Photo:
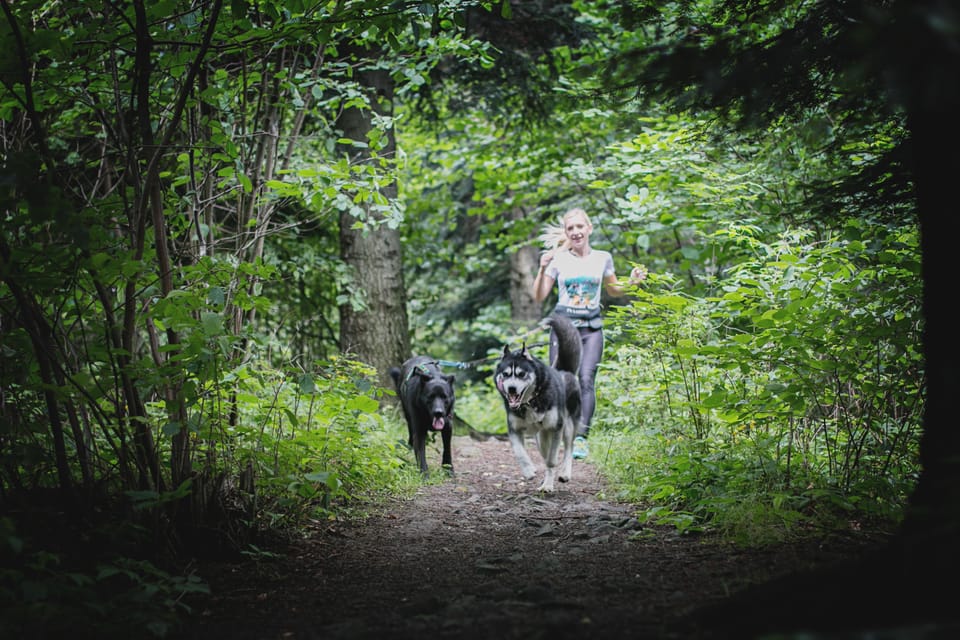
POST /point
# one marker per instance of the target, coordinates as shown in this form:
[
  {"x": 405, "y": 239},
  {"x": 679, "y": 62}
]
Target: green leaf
[
  {"x": 306, "y": 383},
  {"x": 216, "y": 295},
  {"x": 365, "y": 404},
  {"x": 212, "y": 323},
  {"x": 319, "y": 476}
]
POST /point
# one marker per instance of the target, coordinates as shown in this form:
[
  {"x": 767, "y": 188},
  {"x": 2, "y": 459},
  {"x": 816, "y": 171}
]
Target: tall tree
[{"x": 375, "y": 333}]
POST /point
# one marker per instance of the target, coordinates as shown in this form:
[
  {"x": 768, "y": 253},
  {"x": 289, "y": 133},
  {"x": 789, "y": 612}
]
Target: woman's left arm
[{"x": 613, "y": 286}]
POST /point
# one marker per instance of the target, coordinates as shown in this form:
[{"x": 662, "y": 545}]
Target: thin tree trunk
[{"x": 42, "y": 344}]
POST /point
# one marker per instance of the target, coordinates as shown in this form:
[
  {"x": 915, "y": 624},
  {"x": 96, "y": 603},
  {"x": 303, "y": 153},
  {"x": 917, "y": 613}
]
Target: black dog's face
[{"x": 437, "y": 394}]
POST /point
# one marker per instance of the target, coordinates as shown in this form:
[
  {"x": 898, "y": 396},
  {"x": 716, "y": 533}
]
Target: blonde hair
[{"x": 554, "y": 236}]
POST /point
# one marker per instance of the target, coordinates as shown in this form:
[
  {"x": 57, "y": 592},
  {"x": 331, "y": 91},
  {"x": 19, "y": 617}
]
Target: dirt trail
[{"x": 483, "y": 555}]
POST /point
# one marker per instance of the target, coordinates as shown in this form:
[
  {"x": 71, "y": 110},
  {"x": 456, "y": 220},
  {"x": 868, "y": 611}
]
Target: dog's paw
[
  {"x": 528, "y": 473},
  {"x": 546, "y": 488}
]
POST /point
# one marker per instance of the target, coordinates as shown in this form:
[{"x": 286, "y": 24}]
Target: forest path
[{"x": 484, "y": 555}]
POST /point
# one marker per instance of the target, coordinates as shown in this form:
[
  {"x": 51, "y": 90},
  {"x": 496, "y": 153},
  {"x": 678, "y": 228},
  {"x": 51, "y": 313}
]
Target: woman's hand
[
  {"x": 542, "y": 283},
  {"x": 638, "y": 274},
  {"x": 545, "y": 260}
]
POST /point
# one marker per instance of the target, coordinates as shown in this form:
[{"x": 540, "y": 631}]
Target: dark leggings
[{"x": 589, "y": 360}]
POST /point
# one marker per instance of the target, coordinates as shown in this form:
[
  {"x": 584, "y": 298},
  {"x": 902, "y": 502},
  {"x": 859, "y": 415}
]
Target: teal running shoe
[{"x": 580, "y": 449}]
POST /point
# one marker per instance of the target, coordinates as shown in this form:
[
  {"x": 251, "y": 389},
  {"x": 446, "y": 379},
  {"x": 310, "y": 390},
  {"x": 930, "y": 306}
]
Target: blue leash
[
  {"x": 456, "y": 365},
  {"x": 467, "y": 365}
]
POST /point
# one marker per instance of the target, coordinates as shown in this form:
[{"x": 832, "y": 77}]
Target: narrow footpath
[{"x": 483, "y": 555}]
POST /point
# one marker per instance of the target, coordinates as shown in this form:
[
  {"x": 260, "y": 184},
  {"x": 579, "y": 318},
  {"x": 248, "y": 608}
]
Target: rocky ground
[{"x": 483, "y": 555}]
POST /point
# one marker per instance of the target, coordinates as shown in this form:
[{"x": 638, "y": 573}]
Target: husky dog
[
  {"x": 543, "y": 401},
  {"x": 427, "y": 398}
]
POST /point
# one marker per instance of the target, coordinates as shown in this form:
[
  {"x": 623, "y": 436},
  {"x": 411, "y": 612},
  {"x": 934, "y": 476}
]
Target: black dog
[{"x": 427, "y": 397}]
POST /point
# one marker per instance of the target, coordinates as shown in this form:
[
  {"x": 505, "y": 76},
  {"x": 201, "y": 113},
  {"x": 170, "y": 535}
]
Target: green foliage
[
  {"x": 479, "y": 405},
  {"x": 314, "y": 438},
  {"x": 56, "y": 594},
  {"x": 783, "y": 399},
  {"x": 146, "y": 292}
]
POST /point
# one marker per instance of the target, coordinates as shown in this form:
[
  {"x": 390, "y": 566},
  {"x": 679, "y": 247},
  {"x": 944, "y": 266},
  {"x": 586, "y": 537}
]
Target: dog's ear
[
  {"x": 506, "y": 349},
  {"x": 451, "y": 379},
  {"x": 525, "y": 353}
]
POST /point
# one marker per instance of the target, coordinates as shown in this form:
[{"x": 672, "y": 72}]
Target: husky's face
[{"x": 516, "y": 378}]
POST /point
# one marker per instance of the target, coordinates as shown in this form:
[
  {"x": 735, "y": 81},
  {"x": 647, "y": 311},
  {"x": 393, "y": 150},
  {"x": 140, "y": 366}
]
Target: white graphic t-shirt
[{"x": 579, "y": 281}]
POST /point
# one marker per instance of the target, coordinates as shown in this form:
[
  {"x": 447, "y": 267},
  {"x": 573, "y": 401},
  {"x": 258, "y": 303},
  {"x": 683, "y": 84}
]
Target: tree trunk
[
  {"x": 376, "y": 334},
  {"x": 523, "y": 268},
  {"x": 524, "y": 310},
  {"x": 925, "y": 552},
  {"x": 932, "y": 526}
]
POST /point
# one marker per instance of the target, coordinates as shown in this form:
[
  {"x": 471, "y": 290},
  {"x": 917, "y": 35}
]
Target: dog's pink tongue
[{"x": 438, "y": 424}]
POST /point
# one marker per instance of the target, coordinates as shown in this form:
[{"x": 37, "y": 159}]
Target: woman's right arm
[{"x": 543, "y": 284}]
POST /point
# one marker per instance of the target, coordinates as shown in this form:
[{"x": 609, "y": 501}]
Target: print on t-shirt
[{"x": 581, "y": 290}]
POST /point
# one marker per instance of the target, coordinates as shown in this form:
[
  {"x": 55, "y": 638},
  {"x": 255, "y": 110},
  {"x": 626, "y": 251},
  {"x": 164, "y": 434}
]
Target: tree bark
[
  {"x": 932, "y": 524},
  {"x": 376, "y": 334},
  {"x": 524, "y": 310},
  {"x": 523, "y": 268}
]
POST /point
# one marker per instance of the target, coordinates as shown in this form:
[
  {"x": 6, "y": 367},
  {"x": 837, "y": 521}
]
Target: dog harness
[{"x": 421, "y": 368}]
